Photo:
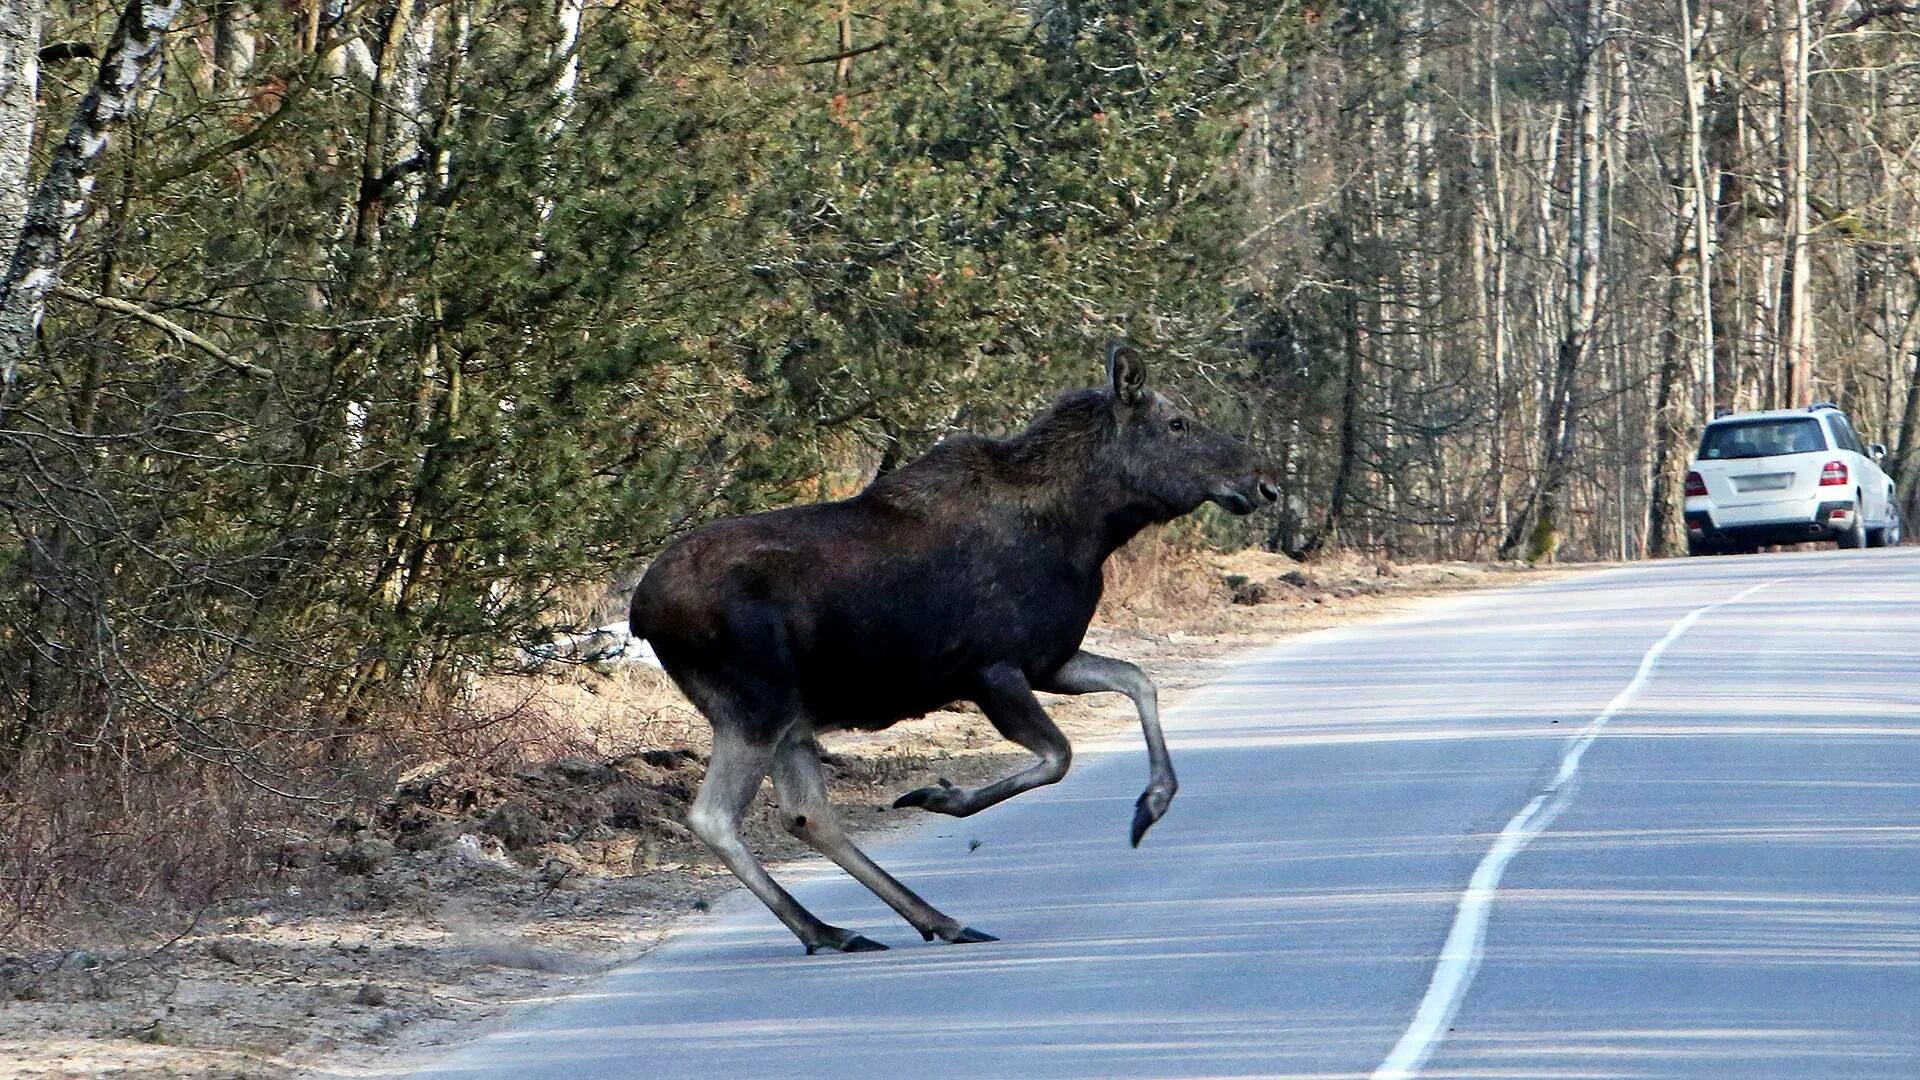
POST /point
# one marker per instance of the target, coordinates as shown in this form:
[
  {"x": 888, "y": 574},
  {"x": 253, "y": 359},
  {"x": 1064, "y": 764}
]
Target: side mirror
[{"x": 1877, "y": 451}]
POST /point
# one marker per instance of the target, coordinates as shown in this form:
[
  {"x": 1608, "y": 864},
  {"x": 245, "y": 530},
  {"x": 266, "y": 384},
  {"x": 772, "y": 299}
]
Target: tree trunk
[
  {"x": 1353, "y": 348},
  {"x": 393, "y": 121},
  {"x": 233, "y": 44},
  {"x": 132, "y": 58},
  {"x": 1498, "y": 239},
  {"x": 1727, "y": 186},
  {"x": 1906, "y": 455},
  {"x": 1535, "y": 531},
  {"x": 1667, "y": 426},
  {"x": 20, "y": 23},
  {"x": 1793, "y": 339},
  {"x": 1703, "y": 215},
  {"x": 1615, "y": 139}
]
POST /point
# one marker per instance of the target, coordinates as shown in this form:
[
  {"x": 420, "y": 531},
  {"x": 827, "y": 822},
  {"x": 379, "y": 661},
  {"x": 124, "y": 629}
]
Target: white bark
[
  {"x": 233, "y": 43},
  {"x": 568, "y": 13},
  {"x": 20, "y": 22},
  {"x": 410, "y": 119},
  {"x": 132, "y": 59},
  {"x": 1795, "y": 337},
  {"x": 567, "y": 50},
  {"x": 1703, "y": 208},
  {"x": 1536, "y": 529},
  {"x": 1494, "y": 238}
]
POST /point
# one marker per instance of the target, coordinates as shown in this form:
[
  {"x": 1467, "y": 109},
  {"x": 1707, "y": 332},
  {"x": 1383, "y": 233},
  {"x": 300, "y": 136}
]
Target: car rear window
[{"x": 1762, "y": 438}]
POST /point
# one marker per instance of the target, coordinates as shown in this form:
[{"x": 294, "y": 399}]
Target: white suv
[{"x": 1786, "y": 477}]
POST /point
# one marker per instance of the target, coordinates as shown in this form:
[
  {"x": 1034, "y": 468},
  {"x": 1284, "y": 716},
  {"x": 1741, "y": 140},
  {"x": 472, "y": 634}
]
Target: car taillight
[
  {"x": 1834, "y": 474},
  {"x": 1695, "y": 485}
]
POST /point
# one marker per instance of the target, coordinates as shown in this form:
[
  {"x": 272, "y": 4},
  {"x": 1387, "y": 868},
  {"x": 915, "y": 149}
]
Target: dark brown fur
[{"x": 971, "y": 573}]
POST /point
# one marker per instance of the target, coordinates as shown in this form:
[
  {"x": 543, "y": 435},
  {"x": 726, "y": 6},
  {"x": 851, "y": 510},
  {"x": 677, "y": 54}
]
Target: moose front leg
[
  {"x": 1091, "y": 673},
  {"x": 1007, "y": 699}
]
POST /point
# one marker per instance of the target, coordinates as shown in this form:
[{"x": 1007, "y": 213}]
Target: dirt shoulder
[{"x": 478, "y": 886}]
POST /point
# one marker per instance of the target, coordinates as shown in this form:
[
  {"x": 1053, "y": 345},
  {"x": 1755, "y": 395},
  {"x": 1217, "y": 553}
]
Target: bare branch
[
  {"x": 1882, "y": 11},
  {"x": 68, "y": 50},
  {"x": 165, "y": 325},
  {"x": 847, "y": 54}
]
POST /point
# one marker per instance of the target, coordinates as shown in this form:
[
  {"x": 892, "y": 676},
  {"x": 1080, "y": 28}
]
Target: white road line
[{"x": 1460, "y": 954}]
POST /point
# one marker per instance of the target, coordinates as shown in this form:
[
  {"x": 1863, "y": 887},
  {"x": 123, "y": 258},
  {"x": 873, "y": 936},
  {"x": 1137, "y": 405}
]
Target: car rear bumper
[{"x": 1827, "y": 520}]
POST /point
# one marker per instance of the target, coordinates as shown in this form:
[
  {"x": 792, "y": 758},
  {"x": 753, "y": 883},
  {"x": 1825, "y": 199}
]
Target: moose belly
[{"x": 872, "y": 667}]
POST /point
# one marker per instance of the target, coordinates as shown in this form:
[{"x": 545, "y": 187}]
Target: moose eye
[{"x": 1178, "y": 423}]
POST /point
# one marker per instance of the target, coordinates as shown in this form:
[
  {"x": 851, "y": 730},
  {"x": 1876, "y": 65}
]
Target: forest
[{"x": 347, "y": 346}]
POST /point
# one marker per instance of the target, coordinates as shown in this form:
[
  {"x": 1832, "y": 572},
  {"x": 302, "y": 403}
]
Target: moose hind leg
[
  {"x": 1007, "y": 699},
  {"x": 733, "y": 778},
  {"x": 806, "y": 813}
]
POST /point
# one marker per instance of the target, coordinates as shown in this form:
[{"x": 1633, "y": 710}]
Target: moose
[{"x": 969, "y": 574}]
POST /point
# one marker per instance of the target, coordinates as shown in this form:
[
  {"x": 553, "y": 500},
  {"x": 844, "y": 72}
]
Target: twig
[
  {"x": 564, "y": 874},
  {"x": 68, "y": 50},
  {"x": 163, "y": 324},
  {"x": 1881, "y": 12},
  {"x": 846, "y": 55}
]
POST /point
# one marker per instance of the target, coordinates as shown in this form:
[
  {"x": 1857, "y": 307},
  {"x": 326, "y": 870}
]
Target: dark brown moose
[{"x": 970, "y": 574}]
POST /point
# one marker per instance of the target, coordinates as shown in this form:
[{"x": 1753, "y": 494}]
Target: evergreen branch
[
  {"x": 238, "y": 143},
  {"x": 258, "y": 133}
]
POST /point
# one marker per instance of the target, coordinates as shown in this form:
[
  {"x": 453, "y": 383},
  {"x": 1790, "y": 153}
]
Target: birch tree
[
  {"x": 130, "y": 60},
  {"x": 20, "y": 22},
  {"x": 1793, "y": 336},
  {"x": 1536, "y": 529}
]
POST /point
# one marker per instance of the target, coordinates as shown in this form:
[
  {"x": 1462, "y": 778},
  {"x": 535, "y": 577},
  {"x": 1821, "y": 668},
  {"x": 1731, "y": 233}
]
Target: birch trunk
[
  {"x": 1535, "y": 531},
  {"x": 392, "y": 122},
  {"x": 1666, "y": 422},
  {"x": 233, "y": 44},
  {"x": 1793, "y": 337},
  {"x": 1497, "y": 239},
  {"x": 1906, "y": 455},
  {"x": 1614, "y": 152},
  {"x": 1703, "y": 216},
  {"x": 132, "y": 58},
  {"x": 20, "y": 23}
]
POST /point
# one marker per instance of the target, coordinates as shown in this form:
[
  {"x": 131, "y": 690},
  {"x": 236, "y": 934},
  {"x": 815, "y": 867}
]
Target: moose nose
[{"x": 1268, "y": 492}]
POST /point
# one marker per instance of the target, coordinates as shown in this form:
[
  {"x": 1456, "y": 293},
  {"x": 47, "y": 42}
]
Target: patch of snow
[{"x": 610, "y": 645}]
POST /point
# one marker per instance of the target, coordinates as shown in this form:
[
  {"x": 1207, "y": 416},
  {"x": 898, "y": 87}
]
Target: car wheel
[
  {"x": 1895, "y": 532},
  {"x": 1876, "y": 538},
  {"x": 1855, "y": 537}
]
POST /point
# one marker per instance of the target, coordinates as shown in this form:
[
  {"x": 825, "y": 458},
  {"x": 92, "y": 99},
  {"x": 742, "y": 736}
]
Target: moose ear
[{"x": 1127, "y": 374}]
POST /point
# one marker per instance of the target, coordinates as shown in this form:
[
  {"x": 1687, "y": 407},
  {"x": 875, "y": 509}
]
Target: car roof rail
[
  {"x": 1721, "y": 411},
  {"x": 1818, "y": 405}
]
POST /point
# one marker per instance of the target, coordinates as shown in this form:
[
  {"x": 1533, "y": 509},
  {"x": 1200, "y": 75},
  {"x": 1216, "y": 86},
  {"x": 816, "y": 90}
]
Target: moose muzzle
[{"x": 1245, "y": 495}]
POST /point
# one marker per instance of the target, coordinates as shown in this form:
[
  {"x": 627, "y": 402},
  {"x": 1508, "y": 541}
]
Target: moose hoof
[
  {"x": 938, "y": 799},
  {"x": 846, "y": 941},
  {"x": 960, "y": 935},
  {"x": 1147, "y": 811}
]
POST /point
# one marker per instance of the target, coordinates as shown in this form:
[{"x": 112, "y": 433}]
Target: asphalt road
[{"x": 1402, "y": 848}]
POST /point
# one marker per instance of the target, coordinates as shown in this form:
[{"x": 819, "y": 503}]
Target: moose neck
[
  {"x": 1061, "y": 476},
  {"x": 1065, "y": 461},
  {"x": 1118, "y": 517}
]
